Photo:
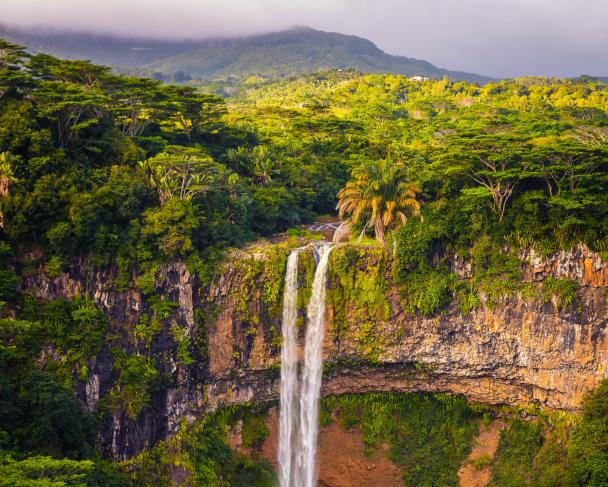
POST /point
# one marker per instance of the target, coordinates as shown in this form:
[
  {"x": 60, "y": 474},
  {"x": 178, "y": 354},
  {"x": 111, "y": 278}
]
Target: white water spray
[
  {"x": 298, "y": 420},
  {"x": 289, "y": 373},
  {"x": 312, "y": 375}
]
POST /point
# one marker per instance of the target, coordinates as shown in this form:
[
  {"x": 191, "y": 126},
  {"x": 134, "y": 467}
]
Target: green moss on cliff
[
  {"x": 429, "y": 291},
  {"x": 259, "y": 276},
  {"x": 273, "y": 273},
  {"x": 357, "y": 295},
  {"x": 306, "y": 274},
  {"x": 137, "y": 380},
  {"x": 563, "y": 290}
]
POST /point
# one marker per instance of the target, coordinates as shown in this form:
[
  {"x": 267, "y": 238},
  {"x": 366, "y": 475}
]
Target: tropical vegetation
[{"x": 130, "y": 174}]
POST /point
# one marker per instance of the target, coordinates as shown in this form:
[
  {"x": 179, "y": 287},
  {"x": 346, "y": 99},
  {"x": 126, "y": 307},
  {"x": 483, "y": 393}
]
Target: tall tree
[
  {"x": 180, "y": 172},
  {"x": 191, "y": 111},
  {"x": 13, "y": 72},
  {"x": 382, "y": 194},
  {"x": 495, "y": 162}
]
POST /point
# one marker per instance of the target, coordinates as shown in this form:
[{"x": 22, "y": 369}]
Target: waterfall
[
  {"x": 298, "y": 422},
  {"x": 312, "y": 375},
  {"x": 289, "y": 372}
]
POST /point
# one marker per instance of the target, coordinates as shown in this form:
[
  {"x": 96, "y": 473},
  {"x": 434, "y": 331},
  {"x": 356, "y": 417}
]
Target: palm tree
[{"x": 381, "y": 193}]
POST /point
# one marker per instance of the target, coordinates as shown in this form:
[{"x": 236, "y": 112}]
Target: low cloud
[{"x": 494, "y": 37}]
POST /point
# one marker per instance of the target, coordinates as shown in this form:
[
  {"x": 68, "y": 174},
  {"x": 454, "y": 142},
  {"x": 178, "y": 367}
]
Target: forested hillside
[
  {"x": 524, "y": 159},
  {"x": 270, "y": 56},
  {"x": 130, "y": 174}
]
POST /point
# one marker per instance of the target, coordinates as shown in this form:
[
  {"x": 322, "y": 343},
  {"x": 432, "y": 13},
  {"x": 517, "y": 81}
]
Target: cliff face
[{"x": 522, "y": 349}]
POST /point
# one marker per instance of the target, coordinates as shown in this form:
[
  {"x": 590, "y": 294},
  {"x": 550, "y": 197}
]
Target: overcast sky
[{"x": 493, "y": 37}]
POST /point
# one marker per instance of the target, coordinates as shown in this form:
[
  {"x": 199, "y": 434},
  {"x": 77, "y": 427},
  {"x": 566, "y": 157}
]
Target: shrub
[
  {"x": 518, "y": 446},
  {"x": 137, "y": 379},
  {"x": 45, "y": 471},
  {"x": 52, "y": 422},
  {"x": 564, "y": 290},
  {"x": 255, "y": 430},
  {"x": 587, "y": 452},
  {"x": 427, "y": 292}
]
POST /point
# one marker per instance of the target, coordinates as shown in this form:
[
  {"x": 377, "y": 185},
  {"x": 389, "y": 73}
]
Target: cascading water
[
  {"x": 312, "y": 375},
  {"x": 289, "y": 372},
  {"x": 298, "y": 419}
]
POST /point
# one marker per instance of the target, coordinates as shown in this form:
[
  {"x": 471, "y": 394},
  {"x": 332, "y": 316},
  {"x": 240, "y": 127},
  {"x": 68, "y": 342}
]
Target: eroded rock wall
[{"x": 522, "y": 350}]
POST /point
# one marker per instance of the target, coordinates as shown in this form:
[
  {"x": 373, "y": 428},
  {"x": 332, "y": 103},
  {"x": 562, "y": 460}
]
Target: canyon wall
[{"x": 522, "y": 349}]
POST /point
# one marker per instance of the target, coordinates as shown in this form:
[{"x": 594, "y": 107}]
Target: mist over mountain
[{"x": 272, "y": 55}]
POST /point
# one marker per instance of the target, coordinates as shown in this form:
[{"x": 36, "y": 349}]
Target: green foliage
[
  {"x": 8, "y": 278},
  {"x": 415, "y": 243},
  {"x": 468, "y": 299},
  {"x": 572, "y": 455},
  {"x": 264, "y": 272},
  {"x": 181, "y": 173},
  {"x": 54, "y": 267},
  {"x": 564, "y": 290},
  {"x": 529, "y": 455},
  {"x": 183, "y": 341},
  {"x": 206, "y": 266},
  {"x": 75, "y": 327},
  {"x": 44, "y": 471},
  {"x": 146, "y": 281},
  {"x": 137, "y": 379},
  {"x": 52, "y": 422},
  {"x": 430, "y": 435},
  {"x": 496, "y": 273},
  {"x": 272, "y": 286},
  {"x": 358, "y": 295},
  {"x": 254, "y": 430},
  {"x": 429, "y": 291},
  {"x": 482, "y": 462},
  {"x": 427, "y": 287},
  {"x": 170, "y": 227},
  {"x": 202, "y": 449},
  {"x": 550, "y": 465},
  {"x": 519, "y": 445},
  {"x": 587, "y": 450}
]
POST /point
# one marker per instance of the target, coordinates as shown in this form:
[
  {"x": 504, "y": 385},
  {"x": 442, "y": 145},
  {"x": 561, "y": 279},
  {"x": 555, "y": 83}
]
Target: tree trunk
[{"x": 379, "y": 231}]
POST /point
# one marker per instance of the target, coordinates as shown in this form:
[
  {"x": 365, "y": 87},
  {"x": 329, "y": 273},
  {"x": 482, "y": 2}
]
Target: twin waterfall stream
[{"x": 298, "y": 422}]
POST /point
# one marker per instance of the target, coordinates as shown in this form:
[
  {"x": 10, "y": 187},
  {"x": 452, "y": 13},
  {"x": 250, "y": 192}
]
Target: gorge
[
  {"x": 523, "y": 350},
  {"x": 172, "y": 312}
]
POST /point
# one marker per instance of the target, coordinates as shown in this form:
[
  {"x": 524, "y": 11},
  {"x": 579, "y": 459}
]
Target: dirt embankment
[
  {"x": 342, "y": 459},
  {"x": 477, "y": 469}
]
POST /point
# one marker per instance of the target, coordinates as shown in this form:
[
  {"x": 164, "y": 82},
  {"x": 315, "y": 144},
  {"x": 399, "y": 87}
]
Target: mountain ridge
[{"x": 273, "y": 55}]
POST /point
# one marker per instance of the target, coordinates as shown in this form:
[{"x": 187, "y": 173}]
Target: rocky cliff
[{"x": 525, "y": 348}]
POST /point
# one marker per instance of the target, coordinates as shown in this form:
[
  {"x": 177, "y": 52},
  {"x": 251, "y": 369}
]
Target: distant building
[{"x": 419, "y": 78}]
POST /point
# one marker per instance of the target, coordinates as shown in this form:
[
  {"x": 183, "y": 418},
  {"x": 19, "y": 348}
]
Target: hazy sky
[{"x": 492, "y": 37}]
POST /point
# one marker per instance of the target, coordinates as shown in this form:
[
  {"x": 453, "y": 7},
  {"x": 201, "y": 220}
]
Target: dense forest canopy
[
  {"x": 524, "y": 158},
  {"x": 111, "y": 166},
  {"x": 132, "y": 173}
]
